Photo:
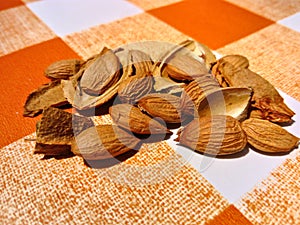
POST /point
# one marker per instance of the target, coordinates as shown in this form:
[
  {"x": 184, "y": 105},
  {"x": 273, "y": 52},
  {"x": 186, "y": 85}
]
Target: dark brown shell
[
  {"x": 50, "y": 94},
  {"x": 59, "y": 127}
]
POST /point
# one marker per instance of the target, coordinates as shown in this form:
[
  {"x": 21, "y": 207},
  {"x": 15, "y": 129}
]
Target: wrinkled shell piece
[
  {"x": 164, "y": 106},
  {"x": 269, "y": 137},
  {"x": 132, "y": 119},
  {"x": 102, "y": 142},
  {"x": 63, "y": 69},
  {"x": 58, "y": 127},
  {"x": 135, "y": 87},
  {"x": 227, "y": 101},
  {"x": 256, "y": 113},
  {"x": 184, "y": 68},
  {"x": 216, "y": 135},
  {"x": 101, "y": 74},
  {"x": 47, "y": 95},
  {"x": 154, "y": 49},
  {"x": 265, "y": 97},
  {"x": 236, "y": 61}
]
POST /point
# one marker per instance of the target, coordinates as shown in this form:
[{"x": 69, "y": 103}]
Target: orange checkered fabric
[{"x": 161, "y": 183}]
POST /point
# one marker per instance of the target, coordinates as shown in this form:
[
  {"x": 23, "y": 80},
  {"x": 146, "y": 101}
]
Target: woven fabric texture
[{"x": 157, "y": 184}]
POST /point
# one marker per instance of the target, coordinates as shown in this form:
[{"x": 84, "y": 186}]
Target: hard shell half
[{"x": 226, "y": 101}]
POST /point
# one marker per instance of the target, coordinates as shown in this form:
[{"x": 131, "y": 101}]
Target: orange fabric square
[
  {"x": 212, "y": 22},
  {"x": 151, "y": 4},
  {"x": 6, "y": 4},
  {"x": 230, "y": 216},
  {"x": 21, "y": 73}
]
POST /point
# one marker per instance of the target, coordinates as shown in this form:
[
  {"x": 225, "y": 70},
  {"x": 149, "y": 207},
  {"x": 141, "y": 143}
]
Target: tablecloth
[{"x": 156, "y": 185}]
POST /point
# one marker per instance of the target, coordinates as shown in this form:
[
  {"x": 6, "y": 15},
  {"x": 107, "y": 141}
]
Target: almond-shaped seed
[
  {"x": 195, "y": 92},
  {"x": 132, "y": 119},
  {"x": 164, "y": 106},
  {"x": 236, "y": 60},
  {"x": 103, "y": 73},
  {"x": 103, "y": 141},
  {"x": 135, "y": 87},
  {"x": 63, "y": 69},
  {"x": 81, "y": 100},
  {"x": 184, "y": 68},
  {"x": 269, "y": 137},
  {"x": 141, "y": 63},
  {"x": 216, "y": 135},
  {"x": 70, "y": 87}
]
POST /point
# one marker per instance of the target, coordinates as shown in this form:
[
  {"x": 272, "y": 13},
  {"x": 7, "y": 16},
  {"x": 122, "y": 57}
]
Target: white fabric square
[
  {"x": 292, "y": 22},
  {"x": 69, "y": 16},
  {"x": 233, "y": 176}
]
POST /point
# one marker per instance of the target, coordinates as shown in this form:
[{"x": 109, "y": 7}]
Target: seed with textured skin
[
  {"x": 103, "y": 141},
  {"x": 103, "y": 73},
  {"x": 133, "y": 88},
  {"x": 195, "y": 92},
  {"x": 63, "y": 69},
  {"x": 236, "y": 60},
  {"x": 141, "y": 63},
  {"x": 164, "y": 106},
  {"x": 269, "y": 137},
  {"x": 216, "y": 135},
  {"x": 185, "y": 67},
  {"x": 132, "y": 119}
]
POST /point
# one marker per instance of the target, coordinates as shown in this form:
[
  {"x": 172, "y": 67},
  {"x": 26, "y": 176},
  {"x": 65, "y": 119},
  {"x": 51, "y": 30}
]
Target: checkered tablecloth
[{"x": 157, "y": 185}]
